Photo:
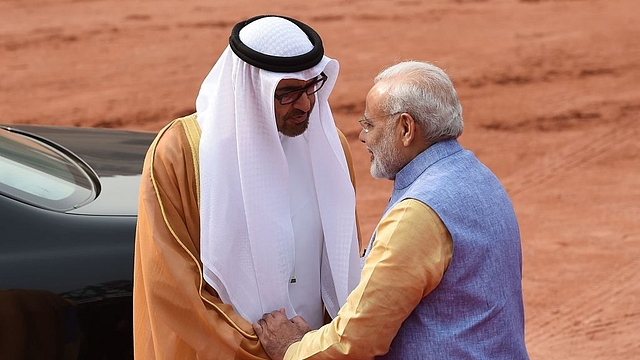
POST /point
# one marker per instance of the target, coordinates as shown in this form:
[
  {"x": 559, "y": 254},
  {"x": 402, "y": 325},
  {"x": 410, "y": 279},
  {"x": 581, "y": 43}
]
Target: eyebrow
[{"x": 293, "y": 87}]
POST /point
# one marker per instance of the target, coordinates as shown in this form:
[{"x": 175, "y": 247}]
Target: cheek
[
  {"x": 277, "y": 108},
  {"x": 371, "y": 140},
  {"x": 279, "y": 111}
]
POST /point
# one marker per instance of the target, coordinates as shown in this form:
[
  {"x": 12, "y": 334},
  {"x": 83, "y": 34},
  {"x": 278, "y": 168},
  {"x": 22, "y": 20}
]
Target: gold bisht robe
[{"x": 177, "y": 315}]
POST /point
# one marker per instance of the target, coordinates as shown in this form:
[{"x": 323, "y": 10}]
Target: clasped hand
[{"x": 276, "y": 332}]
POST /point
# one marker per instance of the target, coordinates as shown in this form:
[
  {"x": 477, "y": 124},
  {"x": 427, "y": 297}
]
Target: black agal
[{"x": 277, "y": 63}]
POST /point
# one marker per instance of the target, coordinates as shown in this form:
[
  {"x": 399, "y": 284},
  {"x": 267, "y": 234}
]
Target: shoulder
[
  {"x": 176, "y": 143},
  {"x": 343, "y": 139},
  {"x": 182, "y": 133},
  {"x": 176, "y": 130},
  {"x": 345, "y": 144},
  {"x": 411, "y": 209}
]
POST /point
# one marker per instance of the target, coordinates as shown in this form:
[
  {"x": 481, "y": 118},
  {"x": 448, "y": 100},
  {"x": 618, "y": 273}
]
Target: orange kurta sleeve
[{"x": 176, "y": 314}]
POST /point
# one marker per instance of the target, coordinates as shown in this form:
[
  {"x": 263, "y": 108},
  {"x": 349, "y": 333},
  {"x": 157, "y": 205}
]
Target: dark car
[{"x": 68, "y": 204}]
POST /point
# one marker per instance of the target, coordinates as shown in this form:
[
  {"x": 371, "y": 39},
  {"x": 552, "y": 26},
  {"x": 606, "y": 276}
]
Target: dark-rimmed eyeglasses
[
  {"x": 290, "y": 97},
  {"x": 366, "y": 124}
]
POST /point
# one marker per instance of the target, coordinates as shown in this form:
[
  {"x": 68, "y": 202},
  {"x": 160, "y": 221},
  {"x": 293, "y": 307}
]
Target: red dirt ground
[{"x": 549, "y": 88}]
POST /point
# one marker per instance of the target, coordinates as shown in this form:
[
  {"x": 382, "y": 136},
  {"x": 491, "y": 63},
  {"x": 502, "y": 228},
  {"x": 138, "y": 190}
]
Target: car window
[{"x": 39, "y": 174}]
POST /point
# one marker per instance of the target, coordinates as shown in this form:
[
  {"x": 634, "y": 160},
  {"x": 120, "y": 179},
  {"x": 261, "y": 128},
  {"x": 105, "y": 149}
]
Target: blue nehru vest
[{"x": 476, "y": 312}]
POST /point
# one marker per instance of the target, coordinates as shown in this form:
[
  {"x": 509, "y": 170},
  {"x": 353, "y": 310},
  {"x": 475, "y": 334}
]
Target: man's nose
[
  {"x": 361, "y": 136},
  {"x": 304, "y": 102}
]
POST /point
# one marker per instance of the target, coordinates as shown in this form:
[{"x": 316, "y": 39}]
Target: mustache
[{"x": 295, "y": 113}]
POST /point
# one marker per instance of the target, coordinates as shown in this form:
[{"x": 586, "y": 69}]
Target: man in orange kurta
[{"x": 188, "y": 299}]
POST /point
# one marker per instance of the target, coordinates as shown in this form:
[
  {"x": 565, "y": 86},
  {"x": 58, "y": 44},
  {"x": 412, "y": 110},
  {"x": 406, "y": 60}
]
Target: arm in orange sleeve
[{"x": 411, "y": 251}]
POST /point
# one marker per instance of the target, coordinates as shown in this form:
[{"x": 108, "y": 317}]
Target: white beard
[{"x": 386, "y": 160}]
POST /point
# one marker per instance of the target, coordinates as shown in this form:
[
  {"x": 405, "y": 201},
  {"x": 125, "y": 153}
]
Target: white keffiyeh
[{"x": 247, "y": 234}]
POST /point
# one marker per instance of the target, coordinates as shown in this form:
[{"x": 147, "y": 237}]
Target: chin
[
  {"x": 297, "y": 130},
  {"x": 380, "y": 172}
]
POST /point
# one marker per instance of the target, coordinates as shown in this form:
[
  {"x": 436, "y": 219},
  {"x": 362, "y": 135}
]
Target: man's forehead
[{"x": 376, "y": 94}]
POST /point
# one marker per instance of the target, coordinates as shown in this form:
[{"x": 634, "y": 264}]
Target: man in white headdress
[{"x": 248, "y": 205}]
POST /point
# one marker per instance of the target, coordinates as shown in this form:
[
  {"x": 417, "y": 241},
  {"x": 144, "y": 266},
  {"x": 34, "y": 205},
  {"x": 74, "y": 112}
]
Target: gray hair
[{"x": 425, "y": 92}]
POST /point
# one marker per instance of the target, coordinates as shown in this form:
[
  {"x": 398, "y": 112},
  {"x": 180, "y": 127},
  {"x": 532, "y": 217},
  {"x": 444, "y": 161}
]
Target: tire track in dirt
[
  {"x": 595, "y": 323},
  {"x": 594, "y": 316},
  {"x": 577, "y": 153}
]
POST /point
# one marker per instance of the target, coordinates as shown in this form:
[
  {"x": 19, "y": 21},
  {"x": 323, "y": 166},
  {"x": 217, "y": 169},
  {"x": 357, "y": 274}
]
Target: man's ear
[{"x": 408, "y": 129}]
